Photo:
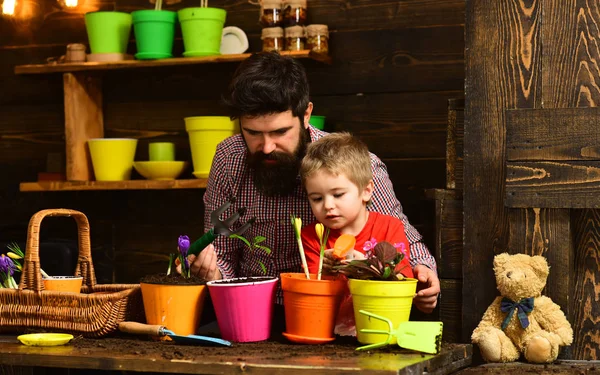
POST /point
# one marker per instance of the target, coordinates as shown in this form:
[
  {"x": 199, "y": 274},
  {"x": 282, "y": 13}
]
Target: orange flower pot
[
  {"x": 177, "y": 307},
  {"x": 70, "y": 284},
  {"x": 311, "y": 306}
]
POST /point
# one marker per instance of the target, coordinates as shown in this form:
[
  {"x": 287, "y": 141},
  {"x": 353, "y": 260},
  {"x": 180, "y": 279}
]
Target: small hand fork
[
  {"x": 221, "y": 227},
  {"x": 421, "y": 336}
]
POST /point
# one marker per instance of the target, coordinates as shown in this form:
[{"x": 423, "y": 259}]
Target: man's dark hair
[{"x": 267, "y": 83}]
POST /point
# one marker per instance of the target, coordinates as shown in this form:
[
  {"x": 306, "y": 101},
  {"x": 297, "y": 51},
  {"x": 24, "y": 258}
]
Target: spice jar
[
  {"x": 294, "y": 12},
  {"x": 271, "y": 13},
  {"x": 272, "y": 38},
  {"x": 294, "y": 38},
  {"x": 317, "y": 38}
]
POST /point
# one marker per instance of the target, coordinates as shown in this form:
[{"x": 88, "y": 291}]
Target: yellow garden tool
[{"x": 420, "y": 336}]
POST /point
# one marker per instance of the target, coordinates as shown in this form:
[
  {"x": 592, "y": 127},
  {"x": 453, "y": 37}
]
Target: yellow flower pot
[
  {"x": 390, "y": 299},
  {"x": 205, "y": 133}
]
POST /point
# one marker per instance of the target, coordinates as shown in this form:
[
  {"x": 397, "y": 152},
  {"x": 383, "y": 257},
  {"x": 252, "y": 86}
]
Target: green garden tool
[
  {"x": 221, "y": 227},
  {"x": 420, "y": 336}
]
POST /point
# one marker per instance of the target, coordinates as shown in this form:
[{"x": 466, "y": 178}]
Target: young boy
[{"x": 336, "y": 173}]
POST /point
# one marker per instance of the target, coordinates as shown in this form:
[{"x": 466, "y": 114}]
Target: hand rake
[
  {"x": 420, "y": 336},
  {"x": 221, "y": 227}
]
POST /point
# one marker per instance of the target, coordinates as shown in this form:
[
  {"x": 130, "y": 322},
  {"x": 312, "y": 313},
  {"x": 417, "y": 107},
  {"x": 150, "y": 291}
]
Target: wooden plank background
[
  {"x": 518, "y": 59},
  {"x": 395, "y": 65}
]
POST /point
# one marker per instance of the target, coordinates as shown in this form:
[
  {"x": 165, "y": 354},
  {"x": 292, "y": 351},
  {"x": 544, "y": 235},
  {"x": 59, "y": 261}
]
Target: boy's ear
[{"x": 368, "y": 191}]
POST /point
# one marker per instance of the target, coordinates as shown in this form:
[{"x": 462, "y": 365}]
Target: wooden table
[{"x": 264, "y": 358}]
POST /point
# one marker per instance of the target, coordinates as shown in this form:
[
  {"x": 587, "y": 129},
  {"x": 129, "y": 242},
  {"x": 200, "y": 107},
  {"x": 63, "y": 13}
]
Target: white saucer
[{"x": 234, "y": 41}]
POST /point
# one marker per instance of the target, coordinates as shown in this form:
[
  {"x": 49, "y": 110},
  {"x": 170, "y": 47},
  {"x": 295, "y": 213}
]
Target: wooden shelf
[
  {"x": 84, "y": 117},
  {"x": 132, "y": 64},
  {"x": 112, "y": 185}
]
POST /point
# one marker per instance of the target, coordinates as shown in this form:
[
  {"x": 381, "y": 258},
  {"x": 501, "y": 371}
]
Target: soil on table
[{"x": 278, "y": 349}]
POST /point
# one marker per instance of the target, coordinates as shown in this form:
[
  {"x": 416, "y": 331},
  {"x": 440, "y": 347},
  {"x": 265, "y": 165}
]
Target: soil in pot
[
  {"x": 241, "y": 280},
  {"x": 172, "y": 279}
]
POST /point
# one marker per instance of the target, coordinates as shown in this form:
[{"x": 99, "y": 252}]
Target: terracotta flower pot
[
  {"x": 311, "y": 307},
  {"x": 71, "y": 284},
  {"x": 390, "y": 299},
  {"x": 177, "y": 307}
]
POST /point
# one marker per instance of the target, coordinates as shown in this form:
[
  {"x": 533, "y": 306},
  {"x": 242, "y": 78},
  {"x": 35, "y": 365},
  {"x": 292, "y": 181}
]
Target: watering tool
[
  {"x": 420, "y": 336},
  {"x": 343, "y": 245},
  {"x": 221, "y": 227},
  {"x": 158, "y": 330}
]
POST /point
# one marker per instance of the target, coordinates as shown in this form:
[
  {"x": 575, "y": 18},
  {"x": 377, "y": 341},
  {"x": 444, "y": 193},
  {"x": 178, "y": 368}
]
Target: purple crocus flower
[
  {"x": 183, "y": 246},
  {"x": 7, "y": 266}
]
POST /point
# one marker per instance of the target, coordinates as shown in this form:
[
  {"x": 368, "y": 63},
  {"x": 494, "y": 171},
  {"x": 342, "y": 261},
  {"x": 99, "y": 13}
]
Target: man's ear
[
  {"x": 307, "y": 114},
  {"x": 368, "y": 191}
]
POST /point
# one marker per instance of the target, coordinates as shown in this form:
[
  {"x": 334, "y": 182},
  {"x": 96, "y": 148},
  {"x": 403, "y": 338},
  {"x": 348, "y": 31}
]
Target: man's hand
[
  {"x": 205, "y": 264},
  {"x": 428, "y": 288}
]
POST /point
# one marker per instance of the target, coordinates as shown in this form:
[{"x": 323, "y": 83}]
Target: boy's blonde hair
[{"x": 338, "y": 153}]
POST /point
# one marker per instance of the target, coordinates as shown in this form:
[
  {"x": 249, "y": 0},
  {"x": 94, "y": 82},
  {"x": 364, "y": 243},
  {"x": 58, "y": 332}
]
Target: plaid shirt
[{"x": 230, "y": 176}]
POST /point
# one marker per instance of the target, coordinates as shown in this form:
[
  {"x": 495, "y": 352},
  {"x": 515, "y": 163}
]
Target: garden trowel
[
  {"x": 420, "y": 336},
  {"x": 158, "y": 330}
]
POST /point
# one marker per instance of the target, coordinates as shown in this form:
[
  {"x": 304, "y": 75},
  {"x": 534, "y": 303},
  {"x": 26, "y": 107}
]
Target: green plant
[
  {"x": 323, "y": 234},
  {"x": 379, "y": 264},
  {"x": 297, "y": 224},
  {"x": 16, "y": 254},
  {"x": 254, "y": 246}
]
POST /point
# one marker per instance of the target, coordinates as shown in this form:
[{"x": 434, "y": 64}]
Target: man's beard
[{"x": 278, "y": 178}]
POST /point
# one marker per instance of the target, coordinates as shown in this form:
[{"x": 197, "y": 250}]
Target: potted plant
[
  {"x": 311, "y": 301},
  {"x": 11, "y": 262},
  {"x": 154, "y": 32},
  {"x": 377, "y": 288},
  {"x": 108, "y": 32},
  {"x": 202, "y": 29},
  {"x": 175, "y": 300},
  {"x": 244, "y": 305}
]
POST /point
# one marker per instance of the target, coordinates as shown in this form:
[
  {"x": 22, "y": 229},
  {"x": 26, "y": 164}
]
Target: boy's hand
[
  {"x": 329, "y": 261},
  {"x": 428, "y": 288}
]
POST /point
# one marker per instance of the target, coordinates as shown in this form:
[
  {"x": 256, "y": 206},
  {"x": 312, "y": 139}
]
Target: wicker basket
[{"x": 95, "y": 312}]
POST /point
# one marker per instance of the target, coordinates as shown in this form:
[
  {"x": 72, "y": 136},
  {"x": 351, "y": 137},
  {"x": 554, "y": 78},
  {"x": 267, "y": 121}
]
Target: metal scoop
[
  {"x": 221, "y": 227},
  {"x": 158, "y": 330}
]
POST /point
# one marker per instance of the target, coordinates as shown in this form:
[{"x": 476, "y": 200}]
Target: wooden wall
[
  {"x": 540, "y": 56},
  {"x": 396, "y": 63}
]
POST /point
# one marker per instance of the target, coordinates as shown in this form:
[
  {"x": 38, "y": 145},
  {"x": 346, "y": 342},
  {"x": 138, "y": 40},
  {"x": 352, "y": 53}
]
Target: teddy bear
[{"x": 521, "y": 320}]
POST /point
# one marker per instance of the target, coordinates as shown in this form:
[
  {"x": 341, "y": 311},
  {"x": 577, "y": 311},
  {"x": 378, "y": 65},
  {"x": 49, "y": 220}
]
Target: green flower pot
[
  {"x": 202, "y": 30},
  {"x": 154, "y": 33},
  {"x": 108, "y": 32},
  {"x": 317, "y": 121}
]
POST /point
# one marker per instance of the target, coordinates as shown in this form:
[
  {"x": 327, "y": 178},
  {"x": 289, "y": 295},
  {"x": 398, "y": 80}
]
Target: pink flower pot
[{"x": 244, "y": 310}]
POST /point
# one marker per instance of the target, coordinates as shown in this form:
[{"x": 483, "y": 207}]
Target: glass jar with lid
[
  {"x": 294, "y": 38},
  {"x": 271, "y": 14},
  {"x": 294, "y": 12},
  {"x": 317, "y": 38},
  {"x": 272, "y": 39}
]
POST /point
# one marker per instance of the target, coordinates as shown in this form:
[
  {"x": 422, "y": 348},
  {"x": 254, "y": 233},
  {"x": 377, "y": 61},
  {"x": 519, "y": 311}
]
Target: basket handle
[{"x": 31, "y": 277}]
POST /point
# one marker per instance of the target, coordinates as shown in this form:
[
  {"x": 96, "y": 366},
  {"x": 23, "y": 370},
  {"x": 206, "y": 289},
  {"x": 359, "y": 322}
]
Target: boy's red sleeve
[{"x": 311, "y": 248}]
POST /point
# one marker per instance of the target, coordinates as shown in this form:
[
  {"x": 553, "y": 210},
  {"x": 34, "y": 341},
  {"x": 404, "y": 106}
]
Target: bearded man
[{"x": 269, "y": 96}]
